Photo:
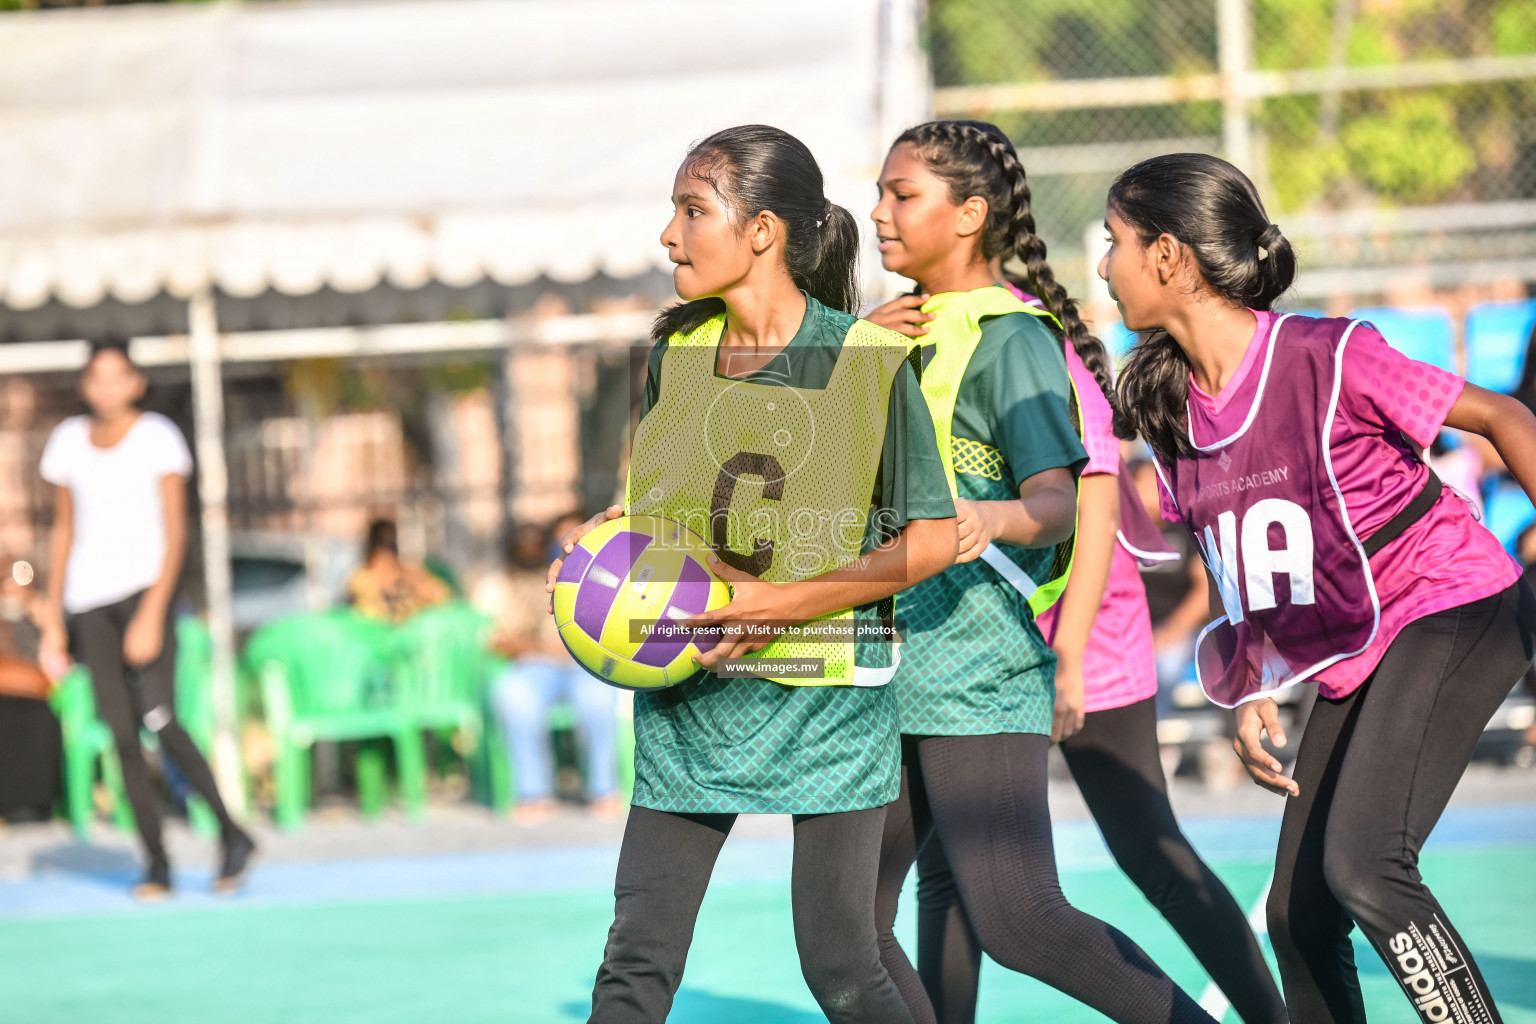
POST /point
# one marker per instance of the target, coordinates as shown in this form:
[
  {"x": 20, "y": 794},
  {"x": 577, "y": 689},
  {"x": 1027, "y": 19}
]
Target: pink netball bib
[{"x": 1266, "y": 512}]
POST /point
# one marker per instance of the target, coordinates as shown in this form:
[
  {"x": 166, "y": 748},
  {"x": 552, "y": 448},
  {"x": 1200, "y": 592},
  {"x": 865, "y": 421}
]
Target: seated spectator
[
  {"x": 542, "y": 674},
  {"x": 1177, "y": 596},
  {"x": 385, "y": 587},
  {"x": 31, "y": 748}
]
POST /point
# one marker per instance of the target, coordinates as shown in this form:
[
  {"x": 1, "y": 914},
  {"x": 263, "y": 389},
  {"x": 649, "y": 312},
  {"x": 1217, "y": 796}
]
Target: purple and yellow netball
[{"x": 622, "y": 593}]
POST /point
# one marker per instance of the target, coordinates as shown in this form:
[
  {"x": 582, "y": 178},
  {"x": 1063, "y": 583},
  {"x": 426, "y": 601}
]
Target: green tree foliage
[
  {"x": 1451, "y": 143},
  {"x": 1397, "y": 146}
]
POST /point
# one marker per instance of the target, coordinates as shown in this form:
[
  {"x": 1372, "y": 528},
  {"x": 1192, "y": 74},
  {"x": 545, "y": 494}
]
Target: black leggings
[
  {"x": 1114, "y": 761},
  {"x": 127, "y": 699},
  {"x": 984, "y": 799},
  {"x": 1375, "y": 770},
  {"x": 664, "y": 868}
]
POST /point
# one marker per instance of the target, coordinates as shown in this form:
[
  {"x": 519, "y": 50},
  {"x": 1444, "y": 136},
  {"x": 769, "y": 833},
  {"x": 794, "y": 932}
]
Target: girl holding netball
[
  {"x": 1291, "y": 448},
  {"x": 794, "y": 436},
  {"x": 974, "y": 688},
  {"x": 119, "y": 529}
]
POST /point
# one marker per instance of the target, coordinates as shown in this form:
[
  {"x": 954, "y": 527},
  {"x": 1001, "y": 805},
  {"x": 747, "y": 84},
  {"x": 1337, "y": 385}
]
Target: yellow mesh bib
[
  {"x": 779, "y": 479},
  {"x": 955, "y": 333}
]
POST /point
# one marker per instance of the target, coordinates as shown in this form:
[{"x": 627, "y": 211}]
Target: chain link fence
[{"x": 1392, "y": 139}]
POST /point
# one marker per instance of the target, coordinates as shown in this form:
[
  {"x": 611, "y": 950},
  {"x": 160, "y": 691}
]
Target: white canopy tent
[
  {"x": 288, "y": 147},
  {"x": 246, "y": 149}
]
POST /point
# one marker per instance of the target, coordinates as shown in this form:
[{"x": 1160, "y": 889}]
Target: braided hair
[
  {"x": 756, "y": 167},
  {"x": 976, "y": 159}
]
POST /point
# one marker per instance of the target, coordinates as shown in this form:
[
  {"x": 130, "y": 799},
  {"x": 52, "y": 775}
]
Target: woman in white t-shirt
[{"x": 119, "y": 530}]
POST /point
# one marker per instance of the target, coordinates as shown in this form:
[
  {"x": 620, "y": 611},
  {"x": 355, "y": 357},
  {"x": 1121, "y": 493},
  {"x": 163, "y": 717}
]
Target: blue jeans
[{"x": 524, "y": 694}]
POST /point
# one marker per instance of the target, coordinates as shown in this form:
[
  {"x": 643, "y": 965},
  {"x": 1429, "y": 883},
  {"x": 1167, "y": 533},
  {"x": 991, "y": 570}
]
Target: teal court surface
[{"x": 514, "y": 935}]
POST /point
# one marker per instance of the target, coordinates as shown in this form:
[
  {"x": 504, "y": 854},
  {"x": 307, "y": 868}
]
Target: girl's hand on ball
[
  {"x": 568, "y": 544},
  {"x": 753, "y": 602}
]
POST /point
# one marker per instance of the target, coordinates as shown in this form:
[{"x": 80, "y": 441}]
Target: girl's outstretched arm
[
  {"x": 1507, "y": 424},
  {"x": 145, "y": 636}
]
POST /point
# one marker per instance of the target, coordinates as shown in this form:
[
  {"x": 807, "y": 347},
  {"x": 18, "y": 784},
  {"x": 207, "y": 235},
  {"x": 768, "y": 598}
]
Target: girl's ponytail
[
  {"x": 829, "y": 273},
  {"x": 976, "y": 159},
  {"x": 1274, "y": 267}
]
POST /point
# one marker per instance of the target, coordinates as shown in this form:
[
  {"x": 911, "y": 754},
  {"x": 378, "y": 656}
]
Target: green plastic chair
[
  {"x": 491, "y": 767},
  {"x": 440, "y": 667},
  {"x": 194, "y": 705},
  {"x": 626, "y": 764},
  {"x": 87, "y": 741},
  {"x": 440, "y": 675},
  {"x": 326, "y": 677}
]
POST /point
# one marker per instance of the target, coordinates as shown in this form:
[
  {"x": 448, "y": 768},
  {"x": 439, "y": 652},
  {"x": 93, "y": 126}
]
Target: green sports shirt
[
  {"x": 974, "y": 661},
  {"x": 713, "y": 745}
]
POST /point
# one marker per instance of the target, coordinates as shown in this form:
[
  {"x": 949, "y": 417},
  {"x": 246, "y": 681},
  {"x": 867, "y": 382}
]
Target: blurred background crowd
[{"x": 390, "y": 282}]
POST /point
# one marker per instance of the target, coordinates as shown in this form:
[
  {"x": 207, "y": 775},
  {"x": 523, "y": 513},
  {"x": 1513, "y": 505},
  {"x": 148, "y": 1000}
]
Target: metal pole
[
  {"x": 903, "y": 98},
  {"x": 213, "y": 491},
  {"x": 1234, "y": 42},
  {"x": 511, "y": 439}
]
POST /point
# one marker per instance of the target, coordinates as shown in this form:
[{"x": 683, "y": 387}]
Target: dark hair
[
  {"x": 109, "y": 343},
  {"x": 1211, "y": 207},
  {"x": 753, "y": 168},
  {"x": 527, "y": 544},
  {"x": 382, "y": 536},
  {"x": 976, "y": 159}
]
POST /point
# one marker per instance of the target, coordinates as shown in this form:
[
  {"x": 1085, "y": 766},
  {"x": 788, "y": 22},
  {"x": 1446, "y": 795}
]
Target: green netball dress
[
  {"x": 839, "y": 417},
  {"x": 974, "y": 662}
]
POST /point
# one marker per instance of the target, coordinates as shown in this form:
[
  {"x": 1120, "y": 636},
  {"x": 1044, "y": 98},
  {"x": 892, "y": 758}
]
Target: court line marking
[{"x": 1213, "y": 1001}]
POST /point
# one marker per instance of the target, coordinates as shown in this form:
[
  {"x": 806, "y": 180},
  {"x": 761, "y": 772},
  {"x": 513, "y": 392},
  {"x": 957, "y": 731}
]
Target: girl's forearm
[
  {"x": 923, "y": 548},
  {"x": 1512, "y": 432},
  {"x": 1045, "y": 513},
  {"x": 159, "y": 594},
  {"x": 173, "y": 495},
  {"x": 60, "y": 539},
  {"x": 1098, "y": 520},
  {"x": 1039, "y": 521}
]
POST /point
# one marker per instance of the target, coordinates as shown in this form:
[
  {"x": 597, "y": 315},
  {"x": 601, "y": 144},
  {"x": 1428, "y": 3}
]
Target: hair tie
[{"x": 1272, "y": 231}]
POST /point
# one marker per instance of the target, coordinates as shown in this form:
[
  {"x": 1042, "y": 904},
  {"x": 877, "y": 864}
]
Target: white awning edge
[{"x": 300, "y": 257}]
